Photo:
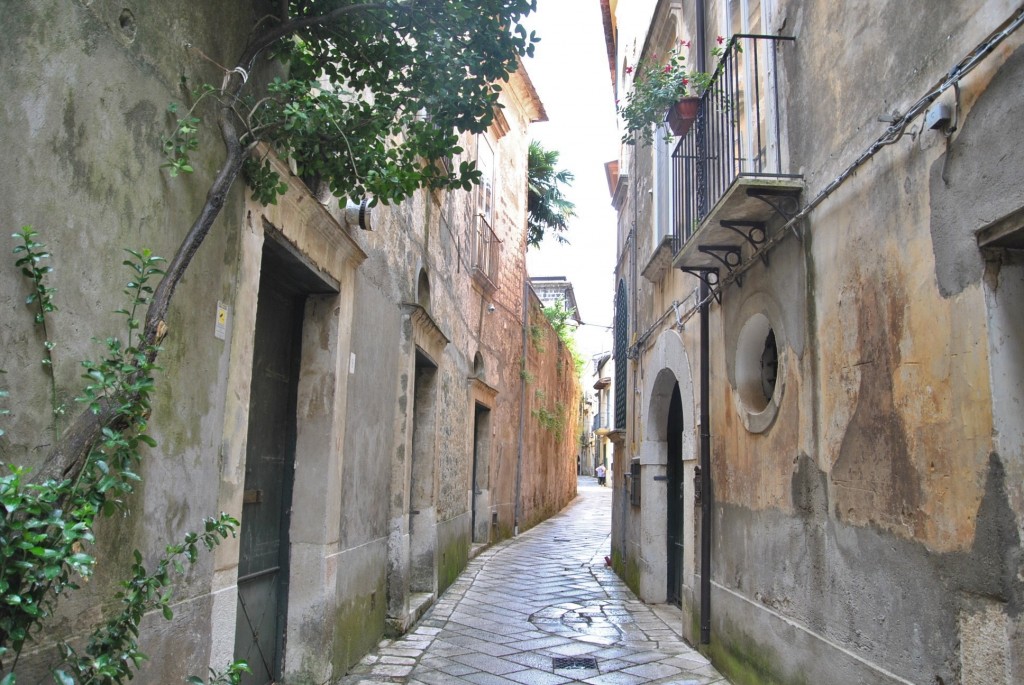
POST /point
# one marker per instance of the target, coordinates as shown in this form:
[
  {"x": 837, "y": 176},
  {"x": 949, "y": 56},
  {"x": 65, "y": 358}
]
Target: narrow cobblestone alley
[{"x": 543, "y": 609}]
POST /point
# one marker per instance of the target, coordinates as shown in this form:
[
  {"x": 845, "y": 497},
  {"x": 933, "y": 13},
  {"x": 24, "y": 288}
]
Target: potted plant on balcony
[{"x": 662, "y": 91}]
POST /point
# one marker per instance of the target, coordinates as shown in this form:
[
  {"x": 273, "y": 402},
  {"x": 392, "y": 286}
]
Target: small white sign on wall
[{"x": 220, "y": 328}]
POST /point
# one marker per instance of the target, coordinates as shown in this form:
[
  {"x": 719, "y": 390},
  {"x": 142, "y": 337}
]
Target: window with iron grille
[
  {"x": 486, "y": 246},
  {"x": 621, "y": 319}
]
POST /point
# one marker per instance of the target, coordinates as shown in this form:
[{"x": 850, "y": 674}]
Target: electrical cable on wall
[{"x": 891, "y": 135}]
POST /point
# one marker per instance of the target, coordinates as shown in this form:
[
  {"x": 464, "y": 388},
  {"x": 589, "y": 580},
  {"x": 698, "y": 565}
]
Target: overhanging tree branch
[{"x": 439, "y": 66}]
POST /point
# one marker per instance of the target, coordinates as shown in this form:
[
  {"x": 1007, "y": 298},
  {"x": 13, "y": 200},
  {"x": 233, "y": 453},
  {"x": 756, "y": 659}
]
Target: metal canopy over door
[
  {"x": 674, "y": 440},
  {"x": 269, "y": 468}
]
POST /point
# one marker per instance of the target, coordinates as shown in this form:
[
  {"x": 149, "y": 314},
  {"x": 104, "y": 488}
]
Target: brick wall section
[{"x": 552, "y": 415}]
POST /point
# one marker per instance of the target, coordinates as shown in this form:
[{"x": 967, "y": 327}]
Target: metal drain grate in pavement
[{"x": 574, "y": 662}]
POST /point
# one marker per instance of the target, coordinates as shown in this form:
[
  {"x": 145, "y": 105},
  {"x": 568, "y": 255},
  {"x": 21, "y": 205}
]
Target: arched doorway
[{"x": 667, "y": 455}]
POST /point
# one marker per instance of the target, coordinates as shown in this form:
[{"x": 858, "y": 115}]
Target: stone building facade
[
  {"x": 357, "y": 398},
  {"x": 552, "y": 289},
  {"x": 834, "y": 246}
]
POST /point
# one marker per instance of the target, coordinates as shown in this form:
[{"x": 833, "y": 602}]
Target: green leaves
[
  {"x": 376, "y": 98},
  {"x": 266, "y": 184},
  {"x": 559, "y": 317},
  {"x": 112, "y": 653},
  {"x": 179, "y": 144},
  {"x": 184, "y": 139},
  {"x": 32, "y": 267},
  {"x": 547, "y": 209},
  {"x": 232, "y": 675},
  {"x": 124, "y": 375},
  {"x": 40, "y": 551},
  {"x": 46, "y": 528}
]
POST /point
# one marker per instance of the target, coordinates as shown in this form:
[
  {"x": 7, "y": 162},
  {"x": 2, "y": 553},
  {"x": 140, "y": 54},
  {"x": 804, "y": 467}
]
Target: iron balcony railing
[
  {"x": 602, "y": 420},
  {"x": 486, "y": 253},
  {"x": 737, "y": 131}
]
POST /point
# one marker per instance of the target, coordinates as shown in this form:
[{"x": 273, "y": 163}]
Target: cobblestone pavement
[{"x": 543, "y": 609}]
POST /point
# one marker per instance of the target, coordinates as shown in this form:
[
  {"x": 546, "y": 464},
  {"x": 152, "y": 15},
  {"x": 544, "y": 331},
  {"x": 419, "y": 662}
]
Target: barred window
[{"x": 485, "y": 244}]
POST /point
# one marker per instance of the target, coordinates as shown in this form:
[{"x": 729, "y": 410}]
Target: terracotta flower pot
[{"x": 682, "y": 114}]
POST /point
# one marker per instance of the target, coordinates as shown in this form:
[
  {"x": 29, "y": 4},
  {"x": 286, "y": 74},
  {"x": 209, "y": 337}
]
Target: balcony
[
  {"x": 486, "y": 256},
  {"x": 728, "y": 176},
  {"x": 602, "y": 423}
]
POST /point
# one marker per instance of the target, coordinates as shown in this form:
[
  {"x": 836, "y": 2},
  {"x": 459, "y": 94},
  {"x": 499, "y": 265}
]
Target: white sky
[{"x": 570, "y": 72}]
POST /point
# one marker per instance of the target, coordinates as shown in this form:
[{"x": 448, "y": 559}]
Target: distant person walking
[{"x": 600, "y": 471}]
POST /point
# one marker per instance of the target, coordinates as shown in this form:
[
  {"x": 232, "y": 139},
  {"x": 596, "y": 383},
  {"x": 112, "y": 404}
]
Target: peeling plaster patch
[
  {"x": 809, "y": 489},
  {"x": 874, "y": 476},
  {"x": 983, "y": 644},
  {"x": 978, "y": 180},
  {"x": 991, "y": 567}
]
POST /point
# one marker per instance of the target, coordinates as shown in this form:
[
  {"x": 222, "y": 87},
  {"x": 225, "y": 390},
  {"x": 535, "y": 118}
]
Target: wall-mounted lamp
[{"x": 358, "y": 215}]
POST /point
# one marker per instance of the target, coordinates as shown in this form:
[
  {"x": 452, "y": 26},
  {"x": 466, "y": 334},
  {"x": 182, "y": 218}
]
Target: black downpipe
[
  {"x": 702, "y": 59},
  {"x": 705, "y": 391},
  {"x": 705, "y": 470}
]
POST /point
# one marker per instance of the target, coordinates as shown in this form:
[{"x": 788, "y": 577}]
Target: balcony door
[{"x": 757, "y": 144}]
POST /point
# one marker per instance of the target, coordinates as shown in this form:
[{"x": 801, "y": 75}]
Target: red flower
[
  {"x": 685, "y": 44},
  {"x": 629, "y": 70},
  {"x": 720, "y": 40},
  {"x": 668, "y": 69},
  {"x": 685, "y": 81}
]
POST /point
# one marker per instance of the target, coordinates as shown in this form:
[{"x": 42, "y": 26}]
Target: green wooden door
[
  {"x": 676, "y": 492},
  {"x": 269, "y": 465}
]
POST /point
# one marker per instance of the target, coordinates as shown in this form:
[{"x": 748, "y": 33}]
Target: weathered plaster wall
[
  {"x": 365, "y": 481},
  {"x": 88, "y": 86},
  {"x": 553, "y": 395},
  {"x": 428, "y": 240},
  {"x": 875, "y": 506},
  {"x": 871, "y": 532},
  {"x": 368, "y": 440}
]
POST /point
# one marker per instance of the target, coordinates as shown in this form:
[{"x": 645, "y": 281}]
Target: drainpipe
[
  {"x": 701, "y": 38},
  {"x": 705, "y": 397},
  {"x": 522, "y": 408},
  {"x": 705, "y": 470}
]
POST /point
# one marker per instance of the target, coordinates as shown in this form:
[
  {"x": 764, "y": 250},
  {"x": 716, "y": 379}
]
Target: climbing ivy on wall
[
  {"x": 366, "y": 97},
  {"x": 559, "y": 317},
  {"x": 47, "y": 526},
  {"x": 552, "y": 420}
]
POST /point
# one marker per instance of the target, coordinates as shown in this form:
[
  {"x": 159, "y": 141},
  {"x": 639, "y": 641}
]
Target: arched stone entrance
[{"x": 671, "y": 375}]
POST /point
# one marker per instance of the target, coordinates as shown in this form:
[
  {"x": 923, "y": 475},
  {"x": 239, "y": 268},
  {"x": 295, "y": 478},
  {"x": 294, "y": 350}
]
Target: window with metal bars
[
  {"x": 485, "y": 243},
  {"x": 621, "y": 321}
]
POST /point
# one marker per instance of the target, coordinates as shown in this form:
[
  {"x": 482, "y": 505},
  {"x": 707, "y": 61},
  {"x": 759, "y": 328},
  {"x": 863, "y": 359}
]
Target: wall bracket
[
  {"x": 707, "y": 276},
  {"x": 783, "y": 201},
  {"x": 754, "y": 232},
  {"x": 729, "y": 255}
]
